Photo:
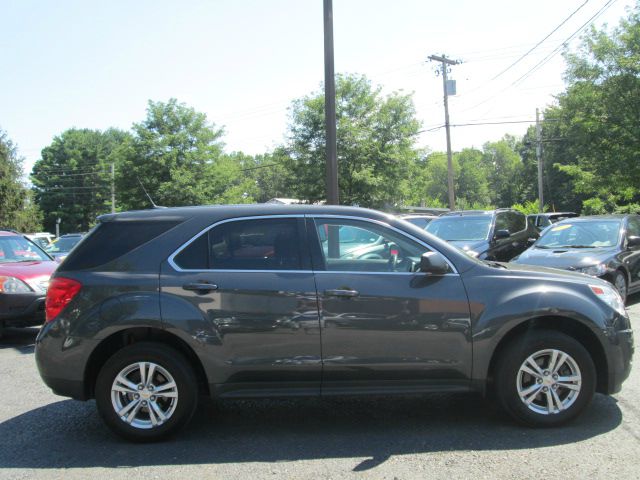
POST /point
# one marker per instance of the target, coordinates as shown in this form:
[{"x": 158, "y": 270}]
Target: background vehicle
[
  {"x": 605, "y": 246},
  {"x": 487, "y": 235},
  {"x": 542, "y": 220},
  {"x": 43, "y": 239},
  {"x": 244, "y": 301},
  {"x": 61, "y": 247},
  {"x": 24, "y": 275}
]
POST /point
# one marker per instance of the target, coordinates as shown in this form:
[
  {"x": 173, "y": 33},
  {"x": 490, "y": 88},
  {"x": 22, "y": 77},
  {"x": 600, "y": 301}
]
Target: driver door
[{"x": 384, "y": 325}]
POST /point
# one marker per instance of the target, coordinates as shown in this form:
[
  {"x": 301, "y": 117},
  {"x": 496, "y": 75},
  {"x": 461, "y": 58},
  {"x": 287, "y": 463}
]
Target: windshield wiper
[
  {"x": 578, "y": 246},
  {"x": 494, "y": 264}
]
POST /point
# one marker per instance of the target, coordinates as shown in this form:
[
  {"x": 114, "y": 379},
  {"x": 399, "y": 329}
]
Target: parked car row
[{"x": 604, "y": 246}]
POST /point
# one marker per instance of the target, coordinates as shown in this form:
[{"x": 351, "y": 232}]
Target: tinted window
[
  {"x": 111, "y": 240},
  {"x": 517, "y": 222},
  {"x": 269, "y": 244},
  {"x": 389, "y": 251},
  {"x": 633, "y": 227},
  {"x": 502, "y": 222}
]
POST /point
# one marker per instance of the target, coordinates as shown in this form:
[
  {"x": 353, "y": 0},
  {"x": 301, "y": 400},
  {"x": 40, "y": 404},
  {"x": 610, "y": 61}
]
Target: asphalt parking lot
[{"x": 439, "y": 436}]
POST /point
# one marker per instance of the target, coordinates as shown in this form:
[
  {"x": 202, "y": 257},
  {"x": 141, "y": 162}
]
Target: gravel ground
[{"x": 438, "y": 436}]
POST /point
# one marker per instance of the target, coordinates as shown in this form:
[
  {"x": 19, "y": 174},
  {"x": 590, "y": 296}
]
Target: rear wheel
[
  {"x": 146, "y": 392},
  {"x": 545, "y": 378}
]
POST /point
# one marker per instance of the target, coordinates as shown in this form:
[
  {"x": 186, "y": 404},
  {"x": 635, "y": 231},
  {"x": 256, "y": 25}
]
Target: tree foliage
[
  {"x": 375, "y": 139},
  {"x": 72, "y": 180},
  {"x": 17, "y": 209}
]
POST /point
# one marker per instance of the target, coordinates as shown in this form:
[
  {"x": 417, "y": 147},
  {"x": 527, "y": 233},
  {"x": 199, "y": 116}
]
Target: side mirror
[
  {"x": 500, "y": 234},
  {"x": 434, "y": 263},
  {"x": 633, "y": 241}
]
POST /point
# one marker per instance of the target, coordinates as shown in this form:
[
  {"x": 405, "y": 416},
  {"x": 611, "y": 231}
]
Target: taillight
[{"x": 60, "y": 292}]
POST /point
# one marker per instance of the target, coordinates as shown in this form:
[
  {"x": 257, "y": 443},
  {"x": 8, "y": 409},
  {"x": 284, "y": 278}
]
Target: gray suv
[{"x": 154, "y": 308}]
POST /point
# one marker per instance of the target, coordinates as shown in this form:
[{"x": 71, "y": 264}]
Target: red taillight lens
[{"x": 60, "y": 292}]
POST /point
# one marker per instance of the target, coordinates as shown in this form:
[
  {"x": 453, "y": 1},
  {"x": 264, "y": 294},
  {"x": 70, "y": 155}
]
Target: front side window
[
  {"x": 269, "y": 244},
  {"x": 502, "y": 222},
  {"x": 517, "y": 222},
  {"x": 368, "y": 247}
]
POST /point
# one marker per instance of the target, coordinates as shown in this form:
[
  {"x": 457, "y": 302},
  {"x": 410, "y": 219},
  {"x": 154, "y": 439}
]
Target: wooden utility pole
[
  {"x": 330, "y": 107},
  {"x": 539, "y": 158},
  {"x": 445, "y": 62}
]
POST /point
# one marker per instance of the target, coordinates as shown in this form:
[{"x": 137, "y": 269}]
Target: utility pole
[
  {"x": 330, "y": 106},
  {"x": 113, "y": 188},
  {"x": 539, "y": 157},
  {"x": 444, "y": 65}
]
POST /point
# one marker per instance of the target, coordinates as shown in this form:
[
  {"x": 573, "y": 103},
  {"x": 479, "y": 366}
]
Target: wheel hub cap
[
  {"x": 144, "y": 395},
  {"x": 549, "y": 381}
]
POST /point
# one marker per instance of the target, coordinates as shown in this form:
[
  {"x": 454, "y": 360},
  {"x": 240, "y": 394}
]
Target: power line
[
  {"x": 557, "y": 50},
  {"x": 540, "y": 42}
]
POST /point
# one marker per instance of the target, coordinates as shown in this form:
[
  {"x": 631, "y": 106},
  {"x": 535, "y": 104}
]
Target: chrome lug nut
[
  {"x": 136, "y": 396},
  {"x": 539, "y": 380},
  {"x": 546, "y": 373},
  {"x": 153, "y": 398},
  {"x": 140, "y": 387},
  {"x": 545, "y": 389}
]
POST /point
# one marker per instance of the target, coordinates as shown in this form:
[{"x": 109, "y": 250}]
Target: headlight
[
  {"x": 610, "y": 296},
  {"x": 594, "y": 270},
  {"x": 13, "y": 285}
]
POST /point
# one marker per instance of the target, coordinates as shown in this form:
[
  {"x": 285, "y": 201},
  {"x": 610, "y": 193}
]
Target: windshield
[
  {"x": 584, "y": 234},
  {"x": 460, "y": 228},
  {"x": 18, "y": 249},
  {"x": 63, "y": 244}
]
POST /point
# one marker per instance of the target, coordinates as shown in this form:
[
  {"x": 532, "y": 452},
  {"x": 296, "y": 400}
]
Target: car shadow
[
  {"x": 22, "y": 340},
  {"x": 69, "y": 434}
]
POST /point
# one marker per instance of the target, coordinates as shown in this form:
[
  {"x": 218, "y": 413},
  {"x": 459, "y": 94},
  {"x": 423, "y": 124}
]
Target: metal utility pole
[
  {"x": 330, "y": 106},
  {"x": 445, "y": 63},
  {"x": 113, "y": 188},
  {"x": 539, "y": 157}
]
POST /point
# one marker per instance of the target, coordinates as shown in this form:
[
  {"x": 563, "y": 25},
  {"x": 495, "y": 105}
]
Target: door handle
[
  {"x": 341, "y": 293},
  {"x": 200, "y": 287}
]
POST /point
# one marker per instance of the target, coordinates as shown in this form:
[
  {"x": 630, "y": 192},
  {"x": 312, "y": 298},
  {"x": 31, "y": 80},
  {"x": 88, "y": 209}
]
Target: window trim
[{"x": 171, "y": 259}]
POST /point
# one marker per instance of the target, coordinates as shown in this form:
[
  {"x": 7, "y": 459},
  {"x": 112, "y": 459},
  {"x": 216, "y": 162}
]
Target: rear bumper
[
  {"x": 62, "y": 360},
  {"x": 21, "y": 310}
]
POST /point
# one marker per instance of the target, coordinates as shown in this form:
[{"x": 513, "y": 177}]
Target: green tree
[
  {"x": 177, "y": 155},
  {"x": 17, "y": 209},
  {"x": 375, "y": 139},
  {"x": 593, "y": 132},
  {"x": 504, "y": 169},
  {"x": 72, "y": 180}
]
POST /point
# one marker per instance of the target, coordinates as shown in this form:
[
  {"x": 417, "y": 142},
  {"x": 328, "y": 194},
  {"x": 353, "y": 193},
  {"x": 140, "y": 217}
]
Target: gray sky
[{"x": 95, "y": 64}]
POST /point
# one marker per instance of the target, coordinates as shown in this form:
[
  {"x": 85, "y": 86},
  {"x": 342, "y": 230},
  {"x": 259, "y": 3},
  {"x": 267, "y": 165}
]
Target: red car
[{"x": 24, "y": 277}]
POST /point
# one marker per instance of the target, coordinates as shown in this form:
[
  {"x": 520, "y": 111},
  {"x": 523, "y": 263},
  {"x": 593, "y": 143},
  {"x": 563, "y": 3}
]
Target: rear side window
[
  {"x": 269, "y": 244},
  {"x": 111, "y": 240}
]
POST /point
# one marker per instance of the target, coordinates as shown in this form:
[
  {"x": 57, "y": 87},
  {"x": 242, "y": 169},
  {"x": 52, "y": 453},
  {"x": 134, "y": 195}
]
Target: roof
[
  {"x": 553, "y": 214},
  {"x": 243, "y": 210},
  {"x": 460, "y": 213},
  {"x": 617, "y": 216}
]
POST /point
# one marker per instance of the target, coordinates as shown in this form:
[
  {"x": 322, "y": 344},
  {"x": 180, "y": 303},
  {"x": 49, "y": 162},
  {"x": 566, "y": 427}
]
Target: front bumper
[
  {"x": 21, "y": 309},
  {"x": 620, "y": 358}
]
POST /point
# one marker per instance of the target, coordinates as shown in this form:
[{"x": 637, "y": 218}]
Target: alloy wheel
[
  {"x": 549, "y": 381},
  {"x": 144, "y": 395}
]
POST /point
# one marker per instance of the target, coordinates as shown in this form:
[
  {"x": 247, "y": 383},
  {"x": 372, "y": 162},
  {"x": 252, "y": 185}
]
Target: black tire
[
  {"x": 507, "y": 378},
  {"x": 619, "y": 281},
  {"x": 174, "y": 363}
]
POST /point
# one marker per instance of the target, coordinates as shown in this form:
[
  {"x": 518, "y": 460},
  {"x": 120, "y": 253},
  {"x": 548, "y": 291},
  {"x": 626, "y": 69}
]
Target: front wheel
[
  {"x": 620, "y": 282},
  {"x": 545, "y": 378},
  {"x": 146, "y": 392}
]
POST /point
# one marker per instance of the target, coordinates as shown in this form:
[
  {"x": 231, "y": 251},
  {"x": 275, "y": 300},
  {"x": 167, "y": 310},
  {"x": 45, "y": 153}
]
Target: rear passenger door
[{"x": 245, "y": 291}]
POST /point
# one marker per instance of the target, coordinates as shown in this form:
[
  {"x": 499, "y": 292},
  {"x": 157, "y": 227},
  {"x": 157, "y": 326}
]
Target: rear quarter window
[{"x": 111, "y": 240}]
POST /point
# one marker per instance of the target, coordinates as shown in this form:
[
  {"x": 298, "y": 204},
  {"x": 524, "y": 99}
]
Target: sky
[{"x": 242, "y": 62}]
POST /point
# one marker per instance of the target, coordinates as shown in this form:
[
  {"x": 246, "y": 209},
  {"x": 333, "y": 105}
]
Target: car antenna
[{"x": 147, "y": 194}]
